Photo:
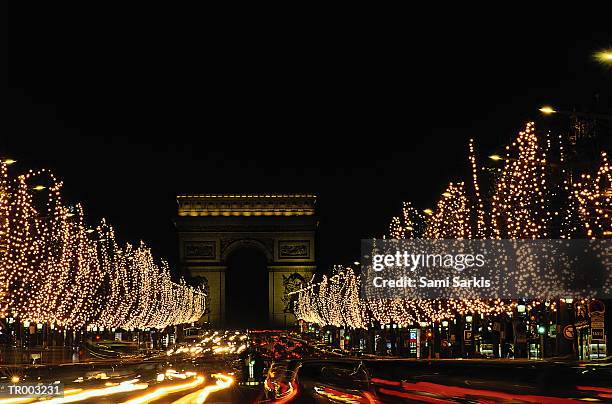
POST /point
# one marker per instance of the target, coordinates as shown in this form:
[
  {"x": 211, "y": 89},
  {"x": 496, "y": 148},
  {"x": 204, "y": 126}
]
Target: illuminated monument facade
[{"x": 248, "y": 252}]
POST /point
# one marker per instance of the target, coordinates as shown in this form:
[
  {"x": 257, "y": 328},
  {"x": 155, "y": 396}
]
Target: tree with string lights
[
  {"x": 530, "y": 197},
  {"x": 56, "y": 271}
]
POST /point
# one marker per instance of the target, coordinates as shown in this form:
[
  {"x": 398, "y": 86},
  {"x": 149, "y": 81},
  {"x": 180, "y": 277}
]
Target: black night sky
[{"x": 132, "y": 107}]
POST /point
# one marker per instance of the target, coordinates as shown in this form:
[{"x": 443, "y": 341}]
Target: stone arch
[
  {"x": 246, "y": 243},
  {"x": 217, "y": 230}
]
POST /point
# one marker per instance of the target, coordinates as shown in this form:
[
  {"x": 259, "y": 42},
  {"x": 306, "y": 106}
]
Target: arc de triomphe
[{"x": 216, "y": 230}]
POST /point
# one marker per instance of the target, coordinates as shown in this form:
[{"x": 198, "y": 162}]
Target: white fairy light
[
  {"x": 55, "y": 270},
  {"x": 520, "y": 206}
]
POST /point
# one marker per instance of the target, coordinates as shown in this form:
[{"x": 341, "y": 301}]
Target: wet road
[
  {"x": 225, "y": 367},
  {"x": 205, "y": 371},
  {"x": 439, "y": 381}
]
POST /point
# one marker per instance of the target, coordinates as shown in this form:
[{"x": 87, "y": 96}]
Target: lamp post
[
  {"x": 604, "y": 56},
  {"x": 548, "y": 110},
  {"x": 584, "y": 128}
]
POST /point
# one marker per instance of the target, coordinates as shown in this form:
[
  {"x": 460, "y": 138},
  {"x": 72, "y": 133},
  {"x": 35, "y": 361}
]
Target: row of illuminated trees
[
  {"x": 530, "y": 193},
  {"x": 55, "y": 269}
]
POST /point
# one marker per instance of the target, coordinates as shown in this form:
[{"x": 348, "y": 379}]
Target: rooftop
[{"x": 246, "y": 204}]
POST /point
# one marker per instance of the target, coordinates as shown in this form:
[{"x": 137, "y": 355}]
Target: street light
[
  {"x": 604, "y": 56},
  {"x": 547, "y": 110},
  {"x": 428, "y": 211},
  {"x": 38, "y": 187},
  {"x": 497, "y": 157},
  {"x": 8, "y": 162}
]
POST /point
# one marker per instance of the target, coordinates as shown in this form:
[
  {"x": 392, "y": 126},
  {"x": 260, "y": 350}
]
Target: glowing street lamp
[
  {"x": 547, "y": 110},
  {"x": 604, "y": 56},
  {"x": 38, "y": 187},
  {"x": 8, "y": 162},
  {"x": 496, "y": 157},
  {"x": 428, "y": 211}
]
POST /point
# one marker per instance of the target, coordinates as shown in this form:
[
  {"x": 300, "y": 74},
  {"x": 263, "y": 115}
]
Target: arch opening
[{"x": 246, "y": 288}]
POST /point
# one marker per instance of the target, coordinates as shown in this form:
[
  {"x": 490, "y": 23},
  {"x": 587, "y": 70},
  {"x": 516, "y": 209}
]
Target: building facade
[{"x": 253, "y": 247}]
